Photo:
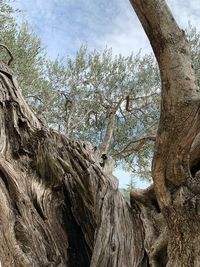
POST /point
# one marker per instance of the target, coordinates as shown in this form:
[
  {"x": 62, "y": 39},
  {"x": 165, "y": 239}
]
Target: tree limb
[
  {"x": 75, "y": 126},
  {"x": 128, "y": 99},
  {"x": 141, "y": 142},
  {"x": 179, "y": 120},
  {"x": 36, "y": 97},
  {"x": 105, "y": 144},
  {"x": 9, "y": 52}
]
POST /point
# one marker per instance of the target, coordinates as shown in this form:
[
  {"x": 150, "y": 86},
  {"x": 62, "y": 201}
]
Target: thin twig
[{"x": 141, "y": 141}]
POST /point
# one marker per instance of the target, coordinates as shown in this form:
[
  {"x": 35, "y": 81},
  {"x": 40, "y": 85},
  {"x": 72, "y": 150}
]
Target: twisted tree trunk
[
  {"x": 60, "y": 207},
  {"x": 57, "y": 206},
  {"x": 175, "y": 176}
]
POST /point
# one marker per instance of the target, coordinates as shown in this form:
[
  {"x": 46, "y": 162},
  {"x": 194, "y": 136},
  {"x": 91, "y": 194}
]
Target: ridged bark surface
[
  {"x": 176, "y": 157},
  {"x": 57, "y": 206}
]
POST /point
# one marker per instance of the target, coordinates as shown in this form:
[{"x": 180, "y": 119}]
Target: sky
[{"x": 63, "y": 25}]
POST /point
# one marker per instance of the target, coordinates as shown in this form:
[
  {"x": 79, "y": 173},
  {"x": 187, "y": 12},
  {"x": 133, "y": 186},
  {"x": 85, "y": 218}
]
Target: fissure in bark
[{"x": 58, "y": 205}]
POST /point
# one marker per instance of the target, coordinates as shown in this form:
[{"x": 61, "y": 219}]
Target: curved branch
[
  {"x": 36, "y": 97},
  {"x": 9, "y": 52},
  {"x": 179, "y": 120},
  {"x": 141, "y": 142}
]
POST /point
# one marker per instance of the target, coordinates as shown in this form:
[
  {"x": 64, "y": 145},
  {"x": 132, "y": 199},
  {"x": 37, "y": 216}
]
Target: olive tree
[
  {"x": 60, "y": 204},
  {"x": 111, "y": 101}
]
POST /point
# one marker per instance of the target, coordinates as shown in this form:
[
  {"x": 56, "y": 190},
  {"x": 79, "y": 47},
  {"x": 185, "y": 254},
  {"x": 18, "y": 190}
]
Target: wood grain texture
[{"x": 57, "y": 206}]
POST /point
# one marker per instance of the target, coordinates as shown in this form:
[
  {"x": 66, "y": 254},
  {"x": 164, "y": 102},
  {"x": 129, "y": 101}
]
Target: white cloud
[
  {"x": 185, "y": 11},
  {"x": 65, "y": 24},
  {"x": 128, "y": 35}
]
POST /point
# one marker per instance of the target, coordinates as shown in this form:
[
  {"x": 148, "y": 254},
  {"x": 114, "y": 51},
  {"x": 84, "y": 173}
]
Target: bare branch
[
  {"x": 135, "y": 149},
  {"x": 128, "y": 99},
  {"x": 104, "y": 146},
  {"x": 36, "y": 97}
]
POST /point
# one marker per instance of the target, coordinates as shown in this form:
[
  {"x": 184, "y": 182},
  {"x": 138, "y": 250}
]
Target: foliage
[
  {"x": 29, "y": 57},
  {"x": 6, "y": 14},
  {"x": 93, "y": 85},
  {"x": 193, "y": 37},
  {"x": 78, "y": 96}
]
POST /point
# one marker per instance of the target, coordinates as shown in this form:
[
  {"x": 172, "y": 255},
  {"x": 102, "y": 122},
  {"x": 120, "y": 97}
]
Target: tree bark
[
  {"x": 177, "y": 191},
  {"x": 60, "y": 207},
  {"x": 57, "y": 206},
  {"x": 106, "y": 142}
]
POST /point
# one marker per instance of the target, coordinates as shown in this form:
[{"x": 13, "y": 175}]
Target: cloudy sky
[{"x": 64, "y": 25}]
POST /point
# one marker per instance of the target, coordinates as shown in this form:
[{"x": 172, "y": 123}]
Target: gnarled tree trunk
[
  {"x": 176, "y": 184},
  {"x": 58, "y": 207}
]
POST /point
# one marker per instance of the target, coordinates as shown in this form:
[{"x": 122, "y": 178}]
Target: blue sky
[{"x": 64, "y": 25}]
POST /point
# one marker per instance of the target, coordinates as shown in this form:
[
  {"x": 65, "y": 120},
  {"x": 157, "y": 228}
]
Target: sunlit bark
[
  {"x": 58, "y": 206},
  {"x": 178, "y": 127}
]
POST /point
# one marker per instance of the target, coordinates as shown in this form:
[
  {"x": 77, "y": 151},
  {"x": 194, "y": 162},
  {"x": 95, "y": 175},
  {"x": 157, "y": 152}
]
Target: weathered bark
[
  {"x": 177, "y": 191},
  {"x": 58, "y": 207},
  {"x": 106, "y": 142}
]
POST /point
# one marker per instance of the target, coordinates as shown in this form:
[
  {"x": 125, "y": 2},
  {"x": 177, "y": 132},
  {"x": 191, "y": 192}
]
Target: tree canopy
[
  {"x": 110, "y": 100},
  {"x": 59, "y": 201}
]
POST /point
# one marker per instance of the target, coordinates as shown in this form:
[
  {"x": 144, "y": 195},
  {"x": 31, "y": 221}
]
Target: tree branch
[
  {"x": 179, "y": 120},
  {"x": 36, "y": 97},
  {"x": 75, "y": 126},
  {"x": 105, "y": 145},
  {"x": 141, "y": 142},
  {"x": 128, "y": 99},
  {"x": 9, "y": 52}
]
